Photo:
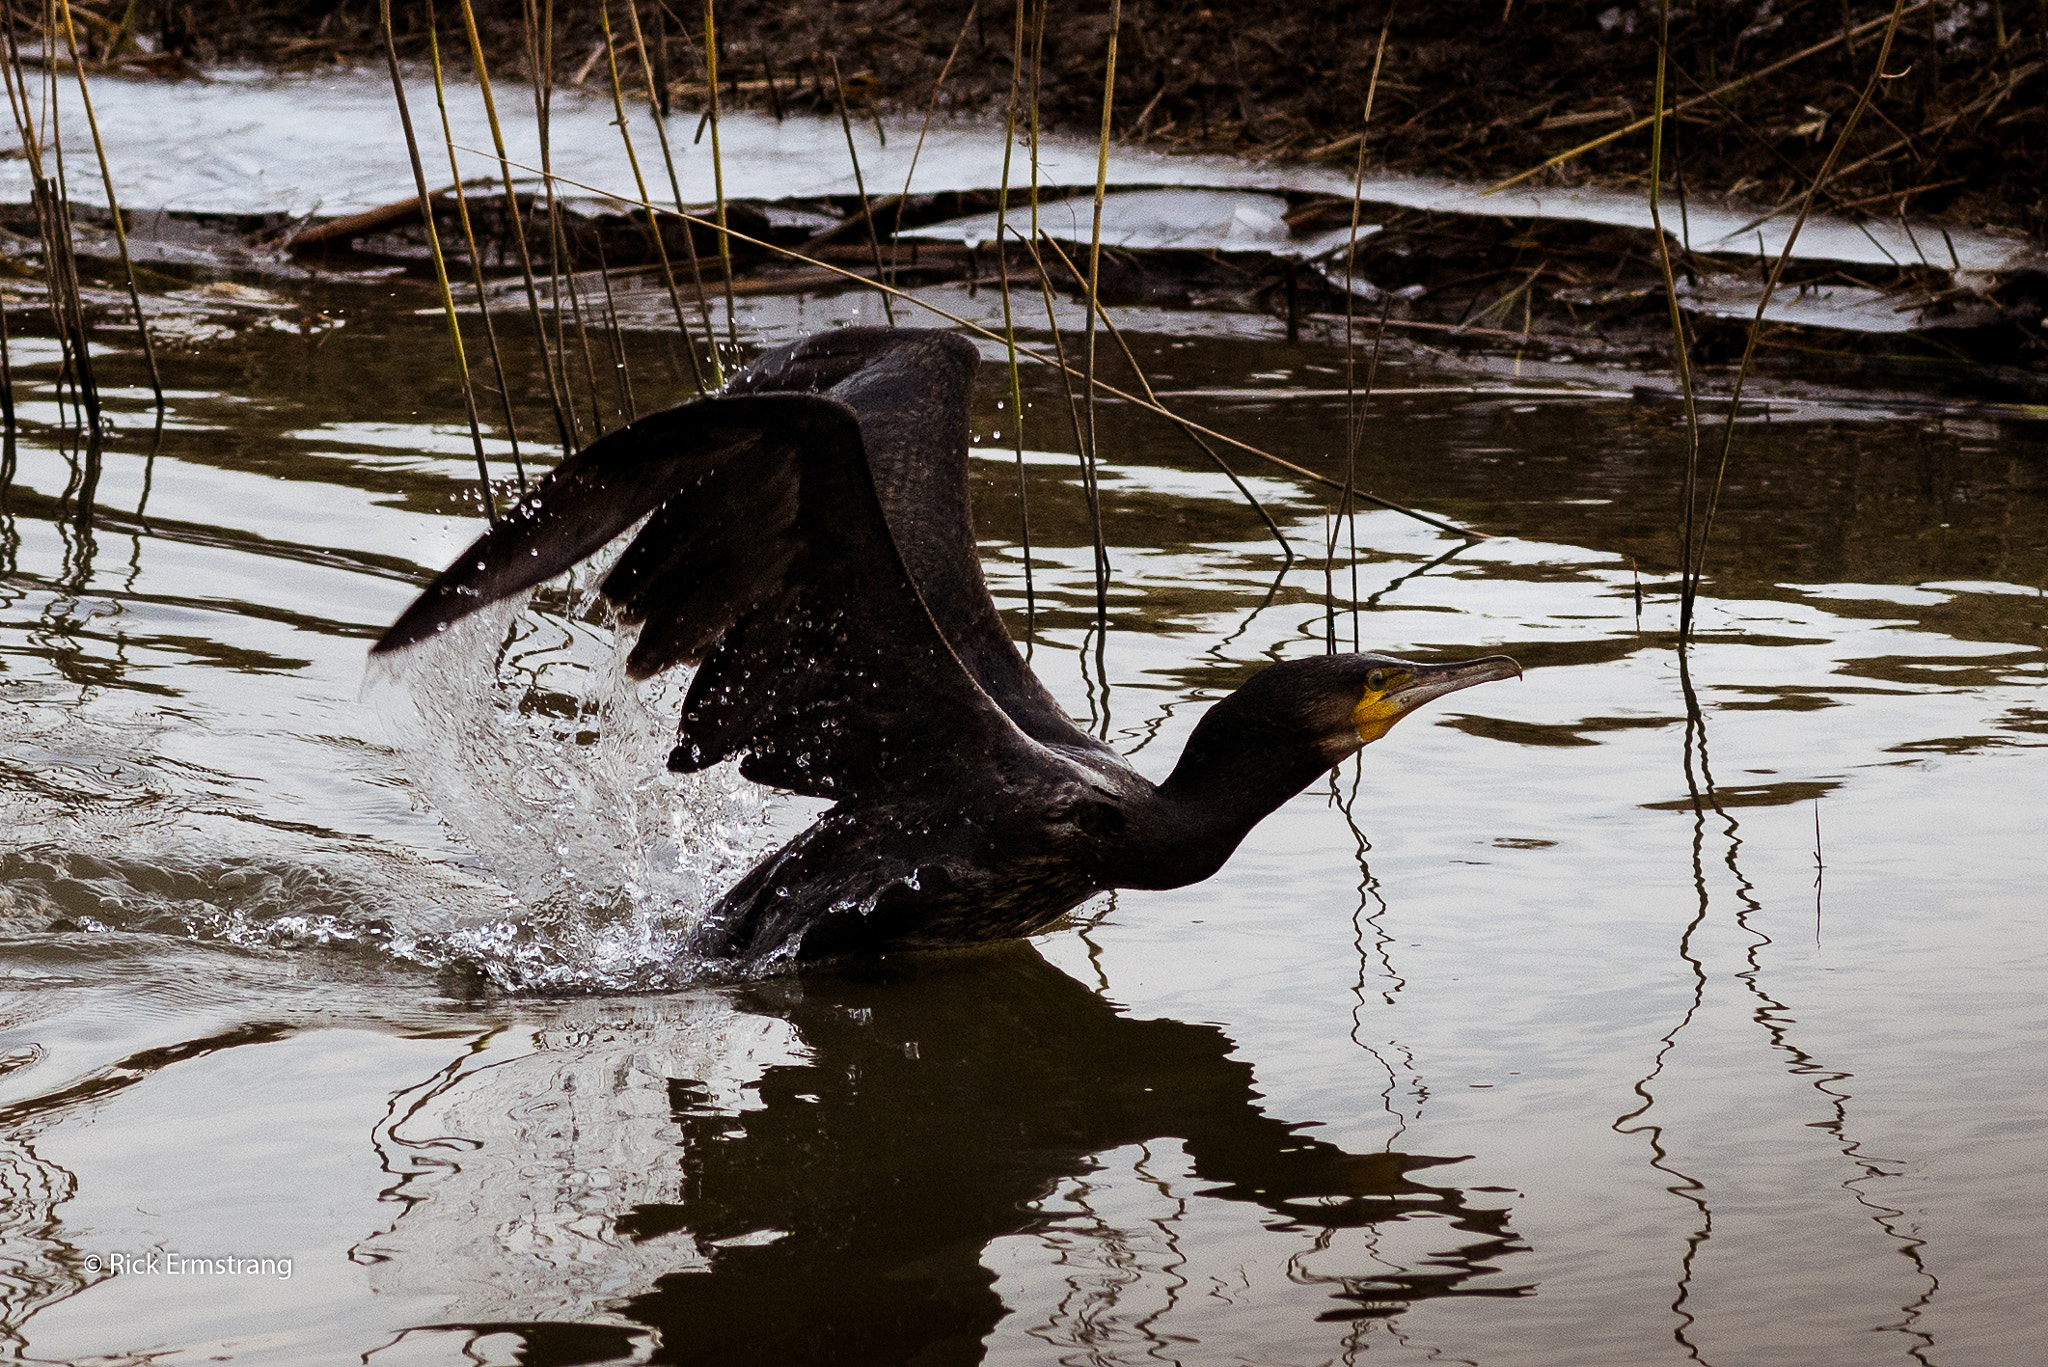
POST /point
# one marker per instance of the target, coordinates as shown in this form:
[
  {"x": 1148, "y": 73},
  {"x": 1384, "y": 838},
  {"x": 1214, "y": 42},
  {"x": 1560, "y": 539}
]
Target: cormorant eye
[{"x": 1376, "y": 680}]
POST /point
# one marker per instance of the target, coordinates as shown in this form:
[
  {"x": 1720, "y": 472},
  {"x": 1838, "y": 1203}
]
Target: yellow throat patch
[{"x": 1376, "y": 712}]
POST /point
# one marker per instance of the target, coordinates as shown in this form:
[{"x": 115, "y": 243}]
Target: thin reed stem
[
  {"x": 1689, "y": 496},
  {"x": 1372, "y": 372},
  {"x": 621, "y": 371},
  {"x": 1730, "y": 87},
  {"x": 657, "y": 104},
  {"x": 732, "y": 334},
  {"x": 540, "y": 63},
  {"x": 419, "y": 179},
  {"x": 99, "y": 147},
  {"x": 1041, "y": 358},
  {"x": 1009, "y": 321},
  {"x": 895, "y": 238},
  {"x": 1690, "y": 582},
  {"x": 604, "y": 11},
  {"x": 1116, "y": 10},
  {"x": 476, "y": 260},
  {"x": 563, "y": 423},
  {"x": 860, "y": 185},
  {"x": 6, "y": 405},
  {"x": 1145, "y": 386},
  {"x": 1067, "y": 372},
  {"x": 67, "y": 300}
]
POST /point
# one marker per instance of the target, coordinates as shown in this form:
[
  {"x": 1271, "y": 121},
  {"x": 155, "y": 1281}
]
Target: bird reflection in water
[{"x": 943, "y": 1103}]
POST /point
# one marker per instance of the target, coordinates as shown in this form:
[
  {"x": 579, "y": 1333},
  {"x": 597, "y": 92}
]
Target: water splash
[{"x": 523, "y": 732}]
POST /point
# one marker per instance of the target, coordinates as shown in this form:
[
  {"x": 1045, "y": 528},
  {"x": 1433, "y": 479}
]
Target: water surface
[{"x": 1540, "y": 1035}]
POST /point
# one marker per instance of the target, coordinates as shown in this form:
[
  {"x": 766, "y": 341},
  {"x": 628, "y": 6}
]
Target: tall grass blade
[
  {"x": 540, "y": 62},
  {"x": 1354, "y": 410},
  {"x": 67, "y": 305}
]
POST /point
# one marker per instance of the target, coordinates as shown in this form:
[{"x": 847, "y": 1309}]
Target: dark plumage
[{"x": 810, "y": 551}]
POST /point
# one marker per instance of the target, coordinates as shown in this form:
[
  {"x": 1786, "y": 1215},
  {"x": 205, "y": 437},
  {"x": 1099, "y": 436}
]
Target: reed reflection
[{"x": 1704, "y": 801}]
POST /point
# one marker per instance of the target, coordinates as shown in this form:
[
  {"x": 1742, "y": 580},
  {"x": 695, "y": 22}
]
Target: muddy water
[{"x": 1541, "y": 1035}]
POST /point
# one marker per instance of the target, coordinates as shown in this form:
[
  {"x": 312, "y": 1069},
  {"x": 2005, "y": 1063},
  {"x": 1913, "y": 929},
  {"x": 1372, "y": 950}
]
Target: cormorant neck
[{"x": 1248, "y": 755}]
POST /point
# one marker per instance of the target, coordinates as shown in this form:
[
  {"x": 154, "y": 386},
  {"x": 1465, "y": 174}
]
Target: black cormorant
[{"x": 810, "y": 551}]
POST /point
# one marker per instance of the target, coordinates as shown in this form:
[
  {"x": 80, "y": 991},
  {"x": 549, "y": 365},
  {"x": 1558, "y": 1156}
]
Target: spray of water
[{"x": 521, "y": 729}]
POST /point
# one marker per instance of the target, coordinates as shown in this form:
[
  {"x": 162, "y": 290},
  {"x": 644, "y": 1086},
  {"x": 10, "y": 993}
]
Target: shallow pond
[{"x": 1666, "y": 1005}]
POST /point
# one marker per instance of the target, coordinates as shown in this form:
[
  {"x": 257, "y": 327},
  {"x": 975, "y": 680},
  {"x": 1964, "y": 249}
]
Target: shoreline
[{"x": 1477, "y": 91}]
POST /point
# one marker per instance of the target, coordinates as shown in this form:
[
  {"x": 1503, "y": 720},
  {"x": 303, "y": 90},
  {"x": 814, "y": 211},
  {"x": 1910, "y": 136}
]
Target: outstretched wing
[
  {"x": 768, "y": 564},
  {"x": 909, "y": 388}
]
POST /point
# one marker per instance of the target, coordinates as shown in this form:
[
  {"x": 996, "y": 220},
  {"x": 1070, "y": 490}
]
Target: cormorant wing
[
  {"x": 910, "y": 388},
  {"x": 767, "y": 562}
]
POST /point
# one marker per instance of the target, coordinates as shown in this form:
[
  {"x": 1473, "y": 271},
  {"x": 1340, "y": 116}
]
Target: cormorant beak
[
  {"x": 1433, "y": 681},
  {"x": 1410, "y": 686}
]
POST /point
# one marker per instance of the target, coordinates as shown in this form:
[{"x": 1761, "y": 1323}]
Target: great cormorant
[{"x": 810, "y": 551}]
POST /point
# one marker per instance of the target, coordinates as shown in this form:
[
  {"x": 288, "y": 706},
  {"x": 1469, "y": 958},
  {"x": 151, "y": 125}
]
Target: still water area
[{"x": 1669, "y": 1005}]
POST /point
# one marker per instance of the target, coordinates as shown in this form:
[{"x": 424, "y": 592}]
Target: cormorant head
[
  {"x": 1385, "y": 689},
  {"x": 1270, "y": 739},
  {"x": 1301, "y": 716}
]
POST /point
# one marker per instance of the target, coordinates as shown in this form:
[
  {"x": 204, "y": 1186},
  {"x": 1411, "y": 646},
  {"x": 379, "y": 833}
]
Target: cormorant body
[{"x": 808, "y": 547}]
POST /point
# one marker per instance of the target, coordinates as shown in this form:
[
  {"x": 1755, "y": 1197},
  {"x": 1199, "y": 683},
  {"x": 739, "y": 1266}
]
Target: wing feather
[{"x": 767, "y": 562}]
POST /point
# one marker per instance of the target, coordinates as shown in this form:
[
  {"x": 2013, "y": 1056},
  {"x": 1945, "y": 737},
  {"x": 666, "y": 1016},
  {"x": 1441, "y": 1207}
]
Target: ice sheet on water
[
  {"x": 1844, "y": 307},
  {"x": 1181, "y": 220},
  {"x": 330, "y": 143}
]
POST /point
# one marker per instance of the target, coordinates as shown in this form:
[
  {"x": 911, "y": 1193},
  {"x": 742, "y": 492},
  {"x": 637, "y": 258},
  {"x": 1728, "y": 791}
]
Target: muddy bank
[
  {"x": 1564, "y": 264},
  {"x": 1474, "y": 88}
]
